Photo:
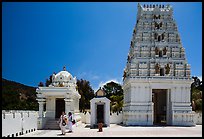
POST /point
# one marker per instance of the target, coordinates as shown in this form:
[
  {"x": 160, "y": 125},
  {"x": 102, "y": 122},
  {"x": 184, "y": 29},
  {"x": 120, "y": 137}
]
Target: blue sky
[{"x": 91, "y": 39}]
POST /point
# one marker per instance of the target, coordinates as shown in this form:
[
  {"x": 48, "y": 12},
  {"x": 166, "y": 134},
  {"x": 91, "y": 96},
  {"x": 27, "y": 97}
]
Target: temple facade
[
  {"x": 157, "y": 78},
  {"x": 60, "y": 95}
]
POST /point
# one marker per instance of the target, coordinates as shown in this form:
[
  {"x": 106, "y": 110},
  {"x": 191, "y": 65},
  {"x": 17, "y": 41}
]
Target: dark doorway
[
  {"x": 100, "y": 113},
  {"x": 60, "y": 107},
  {"x": 159, "y": 99}
]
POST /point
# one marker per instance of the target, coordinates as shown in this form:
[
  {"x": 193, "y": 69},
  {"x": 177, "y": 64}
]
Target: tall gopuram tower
[{"x": 157, "y": 80}]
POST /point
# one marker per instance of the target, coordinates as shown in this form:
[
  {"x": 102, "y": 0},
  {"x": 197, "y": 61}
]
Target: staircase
[{"x": 52, "y": 124}]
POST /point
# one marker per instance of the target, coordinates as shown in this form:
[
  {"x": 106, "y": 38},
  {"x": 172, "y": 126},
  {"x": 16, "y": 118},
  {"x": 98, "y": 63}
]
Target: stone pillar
[
  {"x": 76, "y": 105},
  {"x": 41, "y": 119},
  {"x": 168, "y": 106},
  {"x": 41, "y": 104},
  {"x": 107, "y": 112},
  {"x": 68, "y": 108},
  {"x": 93, "y": 113}
]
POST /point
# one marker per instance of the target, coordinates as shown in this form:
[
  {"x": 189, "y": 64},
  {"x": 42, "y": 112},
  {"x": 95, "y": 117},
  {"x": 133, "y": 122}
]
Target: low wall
[
  {"x": 198, "y": 118},
  {"x": 114, "y": 118},
  {"x": 16, "y": 123},
  {"x": 117, "y": 118}
]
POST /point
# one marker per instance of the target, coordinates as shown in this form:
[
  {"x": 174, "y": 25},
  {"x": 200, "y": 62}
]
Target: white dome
[
  {"x": 63, "y": 74},
  {"x": 63, "y": 78}
]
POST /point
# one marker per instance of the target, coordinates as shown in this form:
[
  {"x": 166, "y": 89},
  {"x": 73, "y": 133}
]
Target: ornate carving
[
  {"x": 124, "y": 74},
  {"x": 156, "y": 51},
  {"x": 128, "y": 59},
  {"x": 157, "y": 25},
  {"x": 134, "y": 31},
  {"x": 61, "y": 85},
  {"x": 157, "y": 67},
  {"x": 164, "y": 51},
  {"x": 167, "y": 67},
  {"x": 131, "y": 44}
]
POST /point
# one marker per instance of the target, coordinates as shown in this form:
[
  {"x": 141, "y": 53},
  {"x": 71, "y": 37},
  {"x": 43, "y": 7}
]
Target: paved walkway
[{"x": 118, "y": 131}]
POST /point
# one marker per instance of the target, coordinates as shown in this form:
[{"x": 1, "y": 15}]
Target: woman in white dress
[
  {"x": 62, "y": 122},
  {"x": 70, "y": 118}
]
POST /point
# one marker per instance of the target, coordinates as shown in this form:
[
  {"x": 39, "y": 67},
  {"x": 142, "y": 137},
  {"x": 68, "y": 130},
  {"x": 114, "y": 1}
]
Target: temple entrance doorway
[
  {"x": 100, "y": 113},
  {"x": 159, "y": 98},
  {"x": 60, "y": 107}
]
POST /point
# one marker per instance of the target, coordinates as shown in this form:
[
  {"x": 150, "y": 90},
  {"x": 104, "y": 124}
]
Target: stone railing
[{"x": 16, "y": 123}]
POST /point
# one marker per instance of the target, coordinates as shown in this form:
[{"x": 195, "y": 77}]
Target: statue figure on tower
[
  {"x": 124, "y": 75},
  {"x": 164, "y": 51},
  {"x": 167, "y": 67},
  {"x": 157, "y": 68}
]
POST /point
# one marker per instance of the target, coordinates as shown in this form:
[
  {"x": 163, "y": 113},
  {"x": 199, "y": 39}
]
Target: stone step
[{"x": 52, "y": 124}]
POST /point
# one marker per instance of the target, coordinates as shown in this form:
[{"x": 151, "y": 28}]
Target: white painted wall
[
  {"x": 114, "y": 118},
  {"x": 198, "y": 118},
  {"x": 15, "y": 123},
  {"x": 18, "y": 121},
  {"x": 117, "y": 119},
  {"x": 97, "y": 101}
]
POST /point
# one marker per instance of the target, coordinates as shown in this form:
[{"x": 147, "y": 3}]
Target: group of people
[{"x": 66, "y": 122}]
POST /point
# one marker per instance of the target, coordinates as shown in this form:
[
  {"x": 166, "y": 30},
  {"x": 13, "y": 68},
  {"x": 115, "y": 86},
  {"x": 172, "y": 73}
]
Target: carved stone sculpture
[
  {"x": 164, "y": 51},
  {"x": 167, "y": 67},
  {"x": 124, "y": 74},
  {"x": 156, "y": 51},
  {"x": 157, "y": 68}
]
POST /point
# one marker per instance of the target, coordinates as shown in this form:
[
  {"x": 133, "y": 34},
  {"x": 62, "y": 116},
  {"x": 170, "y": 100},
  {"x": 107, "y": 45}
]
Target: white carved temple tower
[{"x": 157, "y": 76}]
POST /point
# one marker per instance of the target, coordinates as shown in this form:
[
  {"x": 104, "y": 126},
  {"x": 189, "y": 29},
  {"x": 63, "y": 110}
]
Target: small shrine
[
  {"x": 100, "y": 109},
  {"x": 60, "y": 95}
]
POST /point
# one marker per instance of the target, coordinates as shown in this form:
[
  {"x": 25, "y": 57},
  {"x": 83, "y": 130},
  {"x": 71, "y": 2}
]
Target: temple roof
[
  {"x": 63, "y": 78},
  {"x": 63, "y": 73}
]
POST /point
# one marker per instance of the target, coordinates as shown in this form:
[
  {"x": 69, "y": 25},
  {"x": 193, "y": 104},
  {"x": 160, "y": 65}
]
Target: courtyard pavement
[{"x": 123, "y": 131}]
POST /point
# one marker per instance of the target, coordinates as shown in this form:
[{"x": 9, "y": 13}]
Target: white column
[
  {"x": 93, "y": 112},
  {"x": 41, "y": 104},
  {"x": 188, "y": 94},
  {"x": 68, "y": 108},
  {"x": 168, "y": 107},
  {"x": 107, "y": 112},
  {"x": 150, "y": 94}
]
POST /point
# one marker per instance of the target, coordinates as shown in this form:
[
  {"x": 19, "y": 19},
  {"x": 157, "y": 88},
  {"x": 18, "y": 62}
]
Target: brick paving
[{"x": 122, "y": 131}]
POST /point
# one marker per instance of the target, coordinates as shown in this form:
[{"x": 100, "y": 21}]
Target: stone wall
[{"x": 16, "y": 123}]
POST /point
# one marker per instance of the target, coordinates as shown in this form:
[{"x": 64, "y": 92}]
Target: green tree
[
  {"x": 47, "y": 83},
  {"x": 196, "y": 94},
  {"x": 86, "y": 92},
  {"x": 41, "y": 84},
  {"x": 114, "y": 92}
]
